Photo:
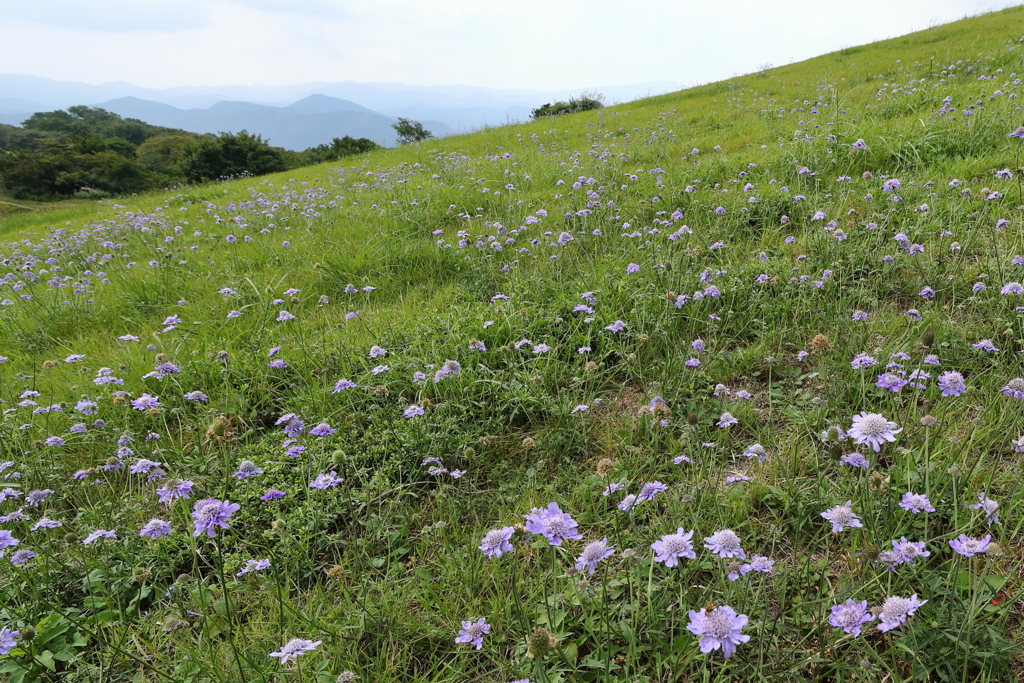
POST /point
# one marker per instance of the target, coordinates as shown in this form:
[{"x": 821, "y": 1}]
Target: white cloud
[{"x": 545, "y": 44}]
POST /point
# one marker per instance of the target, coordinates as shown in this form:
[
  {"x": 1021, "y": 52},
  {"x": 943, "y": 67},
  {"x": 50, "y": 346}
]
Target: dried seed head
[
  {"x": 540, "y": 642},
  {"x": 820, "y": 343},
  {"x": 604, "y": 466},
  {"x": 160, "y": 358},
  {"x": 591, "y": 366}
]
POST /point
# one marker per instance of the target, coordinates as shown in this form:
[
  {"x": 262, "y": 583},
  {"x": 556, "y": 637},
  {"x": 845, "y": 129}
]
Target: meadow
[{"x": 721, "y": 385}]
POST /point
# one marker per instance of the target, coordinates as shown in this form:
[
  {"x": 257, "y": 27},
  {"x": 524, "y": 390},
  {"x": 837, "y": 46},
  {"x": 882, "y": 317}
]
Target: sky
[{"x": 535, "y": 44}]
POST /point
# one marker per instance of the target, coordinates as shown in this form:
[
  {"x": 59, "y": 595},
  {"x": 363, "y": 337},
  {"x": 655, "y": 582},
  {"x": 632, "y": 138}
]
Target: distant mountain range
[{"x": 298, "y": 116}]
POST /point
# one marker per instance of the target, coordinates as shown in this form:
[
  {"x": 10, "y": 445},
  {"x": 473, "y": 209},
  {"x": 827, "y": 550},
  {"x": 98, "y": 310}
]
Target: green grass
[{"x": 384, "y": 567}]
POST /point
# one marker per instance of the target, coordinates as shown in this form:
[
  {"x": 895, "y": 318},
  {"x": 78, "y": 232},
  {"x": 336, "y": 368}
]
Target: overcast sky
[{"x": 537, "y": 44}]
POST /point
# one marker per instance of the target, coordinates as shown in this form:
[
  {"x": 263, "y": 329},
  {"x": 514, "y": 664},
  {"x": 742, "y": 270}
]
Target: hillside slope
[{"x": 464, "y": 411}]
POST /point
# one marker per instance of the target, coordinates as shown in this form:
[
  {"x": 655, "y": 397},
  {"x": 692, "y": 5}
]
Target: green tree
[
  {"x": 230, "y": 155},
  {"x": 410, "y": 131}
]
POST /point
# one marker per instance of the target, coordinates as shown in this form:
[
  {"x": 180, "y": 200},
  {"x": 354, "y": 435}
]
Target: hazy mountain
[
  {"x": 311, "y": 121},
  {"x": 460, "y": 107}
]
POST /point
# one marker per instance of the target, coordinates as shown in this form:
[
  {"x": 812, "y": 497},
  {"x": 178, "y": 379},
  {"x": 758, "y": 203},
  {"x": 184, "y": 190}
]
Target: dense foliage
[
  {"x": 585, "y": 102},
  {"x": 724, "y": 385},
  {"x": 88, "y": 151}
]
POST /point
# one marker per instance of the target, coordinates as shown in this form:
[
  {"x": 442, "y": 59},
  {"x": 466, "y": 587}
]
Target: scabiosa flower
[
  {"x": 895, "y": 611},
  {"x": 473, "y": 632},
  {"x": 617, "y": 326},
  {"x": 326, "y": 481},
  {"x": 246, "y": 469},
  {"x": 34, "y": 498},
  {"x": 873, "y": 429},
  {"x": 892, "y": 381},
  {"x": 842, "y": 516},
  {"x": 145, "y": 402},
  {"x": 990, "y": 507},
  {"x": 155, "y": 528},
  {"x": 254, "y": 566},
  {"x": 862, "y": 360},
  {"x": 850, "y": 616},
  {"x": 651, "y": 489},
  {"x": 197, "y": 397},
  {"x": 272, "y": 494},
  {"x": 594, "y": 553},
  {"x": 969, "y": 547},
  {"x": 99, "y": 533},
  {"x": 628, "y": 503},
  {"x": 725, "y": 543},
  {"x": 209, "y": 513},
  {"x": 8, "y": 640},
  {"x": 377, "y": 352},
  {"x": 295, "y": 647},
  {"x": 726, "y": 420},
  {"x": 719, "y": 628},
  {"x": 322, "y": 429},
  {"x": 496, "y": 542},
  {"x": 952, "y": 384},
  {"x": 284, "y": 315},
  {"x": 343, "y": 384},
  {"x": 1014, "y": 388},
  {"x": 986, "y": 345},
  {"x": 909, "y": 550},
  {"x": 915, "y": 502},
  {"x": 413, "y": 411},
  {"x": 552, "y": 524},
  {"x": 693, "y": 363},
  {"x": 22, "y": 556},
  {"x": 175, "y": 488},
  {"x": 7, "y": 541},
  {"x": 855, "y": 460},
  {"x": 671, "y": 547},
  {"x": 46, "y": 523}
]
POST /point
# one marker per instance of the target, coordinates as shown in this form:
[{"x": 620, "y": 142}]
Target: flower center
[
  {"x": 873, "y": 425},
  {"x": 717, "y": 625}
]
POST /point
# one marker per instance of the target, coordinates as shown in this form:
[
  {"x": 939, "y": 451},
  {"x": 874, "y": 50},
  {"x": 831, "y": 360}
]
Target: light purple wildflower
[
  {"x": 594, "y": 552},
  {"x": 726, "y": 420},
  {"x": 990, "y": 507},
  {"x": 916, "y": 503},
  {"x": 855, "y": 460},
  {"x": 209, "y": 513},
  {"x": 496, "y": 542},
  {"x": 651, "y": 489},
  {"x": 326, "y": 481},
  {"x": 272, "y": 494},
  {"x": 910, "y": 550},
  {"x": 155, "y": 528},
  {"x": 895, "y": 611},
  {"x": 295, "y": 647},
  {"x": 969, "y": 547},
  {"x": 173, "y": 489},
  {"x": 952, "y": 383},
  {"x": 986, "y": 345},
  {"x": 842, "y": 516},
  {"x": 873, "y": 429},
  {"x": 671, "y": 547},
  {"x": 253, "y": 566},
  {"x": 146, "y": 402},
  {"x": 99, "y": 533},
  {"x": 473, "y": 632},
  {"x": 850, "y": 616},
  {"x": 719, "y": 628},
  {"x": 552, "y": 524},
  {"x": 246, "y": 469},
  {"x": 725, "y": 543},
  {"x": 197, "y": 397},
  {"x": 1014, "y": 388}
]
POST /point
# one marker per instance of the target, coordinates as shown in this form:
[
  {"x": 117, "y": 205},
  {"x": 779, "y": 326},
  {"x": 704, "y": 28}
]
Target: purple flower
[
  {"x": 197, "y": 397},
  {"x": 855, "y": 460},
  {"x": 552, "y": 524},
  {"x": 986, "y": 345},
  {"x": 293, "y": 426},
  {"x": 1014, "y": 388},
  {"x": 859, "y": 144},
  {"x": 99, "y": 533},
  {"x": 969, "y": 547},
  {"x": 756, "y": 451},
  {"x": 326, "y": 481},
  {"x": 209, "y": 513},
  {"x": 909, "y": 550},
  {"x": 37, "y": 496},
  {"x": 22, "y": 556},
  {"x": 726, "y": 420},
  {"x": 758, "y": 563},
  {"x": 272, "y": 494},
  {"x": 7, "y": 540},
  {"x": 1012, "y": 288},
  {"x": 594, "y": 553},
  {"x": 253, "y": 566},
  {"x": 413, "y": 411},
  {"x": 693, "y": 363},
  {"x": 155, "y": 528},
  {"x": 617, "y": 326},
  {"x": 295, "y": 647},
  {"x": 343, "y": 384},
  {"x": 915, "y": 502},
  {"x": 873, "y": 429},
  {"x": 725, "y": 543},
  {"x": 8, "y": 640},
  {"x": 892, "y": 381},
  {"x": 376, "y": 351},
  {"x": 719, "y": 628},
  {"x": 651, "y": 489},
  {"x": 473, "y": 632},
  {"x": 841, "y": 517},
  {"x": 628, "y": 503},
  {"x": 322, "y": 429},
  {"x": 671, "y": 547},
  {"x": 990, "y": 507},
  {"x": 46, "y": 523},
  {"x": 174, "y": 488},
  {"x": 496, "y": 542},
  {"x": 895, "y": 611},
  {"x": 284, "y": 315},
  {"x": 246, "y": 469},
  {"x": 145, "y": 402},
  {"x": 850, "y": 616},
  {"x": 952, "y": 384}
]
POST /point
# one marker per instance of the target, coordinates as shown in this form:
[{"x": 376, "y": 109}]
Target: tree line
[{"x": 90, "y": 152}]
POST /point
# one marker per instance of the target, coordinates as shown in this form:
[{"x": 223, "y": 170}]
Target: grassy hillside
[{"x": 781, "y": 312}]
